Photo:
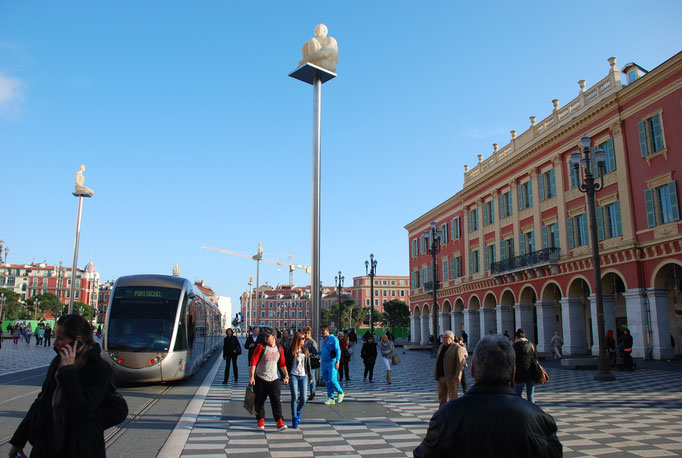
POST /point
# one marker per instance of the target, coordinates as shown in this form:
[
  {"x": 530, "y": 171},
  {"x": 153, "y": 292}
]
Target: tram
[{"x": 158, "y": 328}]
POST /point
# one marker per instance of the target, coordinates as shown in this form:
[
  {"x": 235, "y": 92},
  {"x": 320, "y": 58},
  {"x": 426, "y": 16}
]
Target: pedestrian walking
[
  {"x": 557, "y": 342},
  {"x": 345, "y": 356},
  {"x": 353, "y": 337},
  {"x": 312, "y": 348},
  {"x": 626, "y": 349},
  {"x": 369, "y": 356},
  {"x": 251, "y": 342},
  {"x": 449, "y": 368},
  {"x": 491, "y": 420},
  {"x": 526, "y": 359},
  {"x": 387, "y": 349},
  {"x": 300, "y": 371},
  {"x": 330, "y": 355},
  {"x": 231, "y": 351},
  {"x": 465, "y": 338},
  {"x": 16, "y": 333},
  {"x": 611, "y": 347},
  {"x": 48, "y": 336},
  {"x": 466, "y": 365},
  {"x": 263, "y": 376},
  {"x": 60, "y": 422},
  {"x": 28, "y": 333},
  {"x": 41, "y": 334}
]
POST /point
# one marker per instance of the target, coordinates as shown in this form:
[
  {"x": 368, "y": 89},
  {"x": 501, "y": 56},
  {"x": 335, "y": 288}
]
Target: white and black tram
[{"x": 158, "y": 328}]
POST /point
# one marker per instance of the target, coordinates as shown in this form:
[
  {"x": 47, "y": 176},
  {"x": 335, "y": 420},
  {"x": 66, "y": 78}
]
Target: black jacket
[
  {"x": 250, "y": 340},
  {"x": 83, "y": 389},
  {"x": 290, "y": 362},
  {"x": 490, "y": 420},
  {"x": 231, "y": 347},
  {"x": 525, "y": 361},
  {"x": 369, "y": 352}
]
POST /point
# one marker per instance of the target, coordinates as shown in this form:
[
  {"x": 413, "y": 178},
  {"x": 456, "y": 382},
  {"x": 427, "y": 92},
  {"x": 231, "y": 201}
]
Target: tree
[
  {"x": 397, "y": 314},
  {"x": 48, "y": 302},
  {"x": 82, "y": 309},
  {"x": 359, "y": 315},
  {"x": 325, "y": 317},
  {"x": 12, "y": 309}
]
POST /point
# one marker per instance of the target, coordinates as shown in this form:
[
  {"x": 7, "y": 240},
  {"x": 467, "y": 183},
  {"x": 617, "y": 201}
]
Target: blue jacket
[{"x": 326, "y": 345}]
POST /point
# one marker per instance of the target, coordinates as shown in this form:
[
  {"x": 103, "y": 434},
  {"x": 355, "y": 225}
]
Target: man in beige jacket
[{"x": 449, "y": 366}]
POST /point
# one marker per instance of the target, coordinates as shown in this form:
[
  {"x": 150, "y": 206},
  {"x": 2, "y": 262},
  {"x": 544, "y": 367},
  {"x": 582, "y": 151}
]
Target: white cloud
[{"x": 10, "y": 92}]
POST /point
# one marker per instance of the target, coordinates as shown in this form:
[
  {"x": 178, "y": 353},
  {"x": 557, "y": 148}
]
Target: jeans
[
  {"x": 47, "y": 341},
  {"x": 530, "y": 389},
  {"x": 299, "y": 393},
  {"x": 330, "y": 377}
]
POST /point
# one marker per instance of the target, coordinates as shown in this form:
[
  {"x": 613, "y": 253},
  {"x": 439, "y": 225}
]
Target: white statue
[
  {"x": 80, "y": 181},
  {"x": 322, "y": 50}
]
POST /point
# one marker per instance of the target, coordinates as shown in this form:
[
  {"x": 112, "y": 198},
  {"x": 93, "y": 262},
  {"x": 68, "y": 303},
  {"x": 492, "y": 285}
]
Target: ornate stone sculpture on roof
[
  {"x": 80, "y": 181},
  {"x": 322, "y": 50}
]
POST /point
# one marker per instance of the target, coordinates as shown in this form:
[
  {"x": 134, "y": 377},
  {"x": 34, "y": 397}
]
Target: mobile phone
[{"x": 78, "y": 344}]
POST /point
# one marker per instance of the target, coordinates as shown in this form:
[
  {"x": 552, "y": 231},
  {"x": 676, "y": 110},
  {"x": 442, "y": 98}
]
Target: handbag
[
  {"x": 314, "y": 361},
  {"x": 113, "y": 410},
  {"x": 395, "y": 360},
  {"x": 250, "y": 400},
  {"x": 541, "y": 375}
]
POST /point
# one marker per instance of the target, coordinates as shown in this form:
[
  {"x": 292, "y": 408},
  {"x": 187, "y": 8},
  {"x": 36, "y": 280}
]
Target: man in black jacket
[
  {"x": 253, "y": 340},
  {"x": 491, "y": 420}
]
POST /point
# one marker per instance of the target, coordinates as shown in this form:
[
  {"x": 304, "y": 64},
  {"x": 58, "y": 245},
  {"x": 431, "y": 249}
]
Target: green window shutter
[
  {"x": 511, "y": 248},
  {"x": 659, "y": 143},
  {"x": 500, "y": 201},
  {"x": 619, "y": 224},
  {"x": 541, "y": 186},
  {"x": 583, "y": 229},
  {"x": 545, "y": 237},
  {"x": 610, "y": 155},
  {"x": 487, "y": 258},
  {"x": 471, "y": 262},
  {"x": 469, "y": 219},
  {"x": 485, "y": 215},
  {"x": 599, "y": 212},
  {"x": 674, "y": 206},
  {"x": 522, "y": 244},
  {"x": 531, "y": 241},
  {"x": 529, "y": 189},
  {"x": 503, "y": 254},
  {"x": 492, "y": 211},
  {"x": 595, "y": 166},
  {"x": 520, "y": 190},
  {"x": 650, "y": 209},
  {"x": 452, "y": 230},
  {"x": 510, "y": 203},
  {"x": 569, "y": 228},
  {"x": 644, "y": 149},
  {"x": 445, "y": 270},
  {"x": 552, "y": 182},
  {"x": 459, "y": 265}
]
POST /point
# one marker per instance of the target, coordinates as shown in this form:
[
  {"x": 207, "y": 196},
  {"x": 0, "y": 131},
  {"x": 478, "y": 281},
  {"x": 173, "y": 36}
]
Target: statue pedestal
[{"x": 307, "y": 72}]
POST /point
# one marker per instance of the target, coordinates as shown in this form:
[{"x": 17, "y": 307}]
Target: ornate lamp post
[
  {"x": 371, "y": 270},
  {"x": 590, "y": 187},
  {"x": 339, "y": 287},
  {"x": 434, "y": 236},
  {"x": 2, "y": 304}
]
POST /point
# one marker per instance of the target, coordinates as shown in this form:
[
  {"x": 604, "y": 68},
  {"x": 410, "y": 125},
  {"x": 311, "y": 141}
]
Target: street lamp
[
  {"x": 589, "y": 187},
  {"x": 36, "y": 304},
  {"x": 434, "y": 235},
  {"x": 371, "y": 270},
  {"x": 2, "y": 304},
  {"x": 339, "y": 286},
  {"x": 249, "y": 306}
]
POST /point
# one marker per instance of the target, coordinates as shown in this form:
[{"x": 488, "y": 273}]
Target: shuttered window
[
  {"x": 662, "y": 205},
  {"x": 651, "y": 135}
]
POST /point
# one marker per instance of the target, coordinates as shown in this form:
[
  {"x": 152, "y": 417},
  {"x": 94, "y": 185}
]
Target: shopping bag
[
  {"x": 250, "y": 400},
  {"x": 395, "y": 360}
]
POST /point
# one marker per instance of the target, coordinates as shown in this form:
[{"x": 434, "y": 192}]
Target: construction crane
[{"x": 259, "y": 257}]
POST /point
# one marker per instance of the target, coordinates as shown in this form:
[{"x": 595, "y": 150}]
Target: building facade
[
  {"x": 30, "y": 280},
  {"x": 515, "y": 248},
  {"x": 386, "y": 288}
]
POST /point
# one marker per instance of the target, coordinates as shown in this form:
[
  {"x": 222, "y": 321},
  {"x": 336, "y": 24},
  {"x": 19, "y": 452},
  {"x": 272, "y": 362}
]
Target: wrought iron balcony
[
  {"x": 529, "y": 261},
  {"x": 428, "y": 286}
]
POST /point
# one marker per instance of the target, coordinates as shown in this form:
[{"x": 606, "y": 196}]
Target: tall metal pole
[
  {"x": 317, "y": 114},
  {"x": 257, "y": 284},
  {"x": 75, "y": 254},
  {"x": 249, "y": 306},
  {"x": 589, "y": 188},
  {"x": 434, "y": 315}
]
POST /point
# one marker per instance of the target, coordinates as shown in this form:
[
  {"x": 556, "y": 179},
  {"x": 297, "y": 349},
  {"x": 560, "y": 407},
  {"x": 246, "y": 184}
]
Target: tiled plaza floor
[
  {"x": 638, "y": 415},
  {"x": 23, "y": 356}
]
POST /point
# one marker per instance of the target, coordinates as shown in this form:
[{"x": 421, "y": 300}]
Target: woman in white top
[{"x": 298, "y": 366}]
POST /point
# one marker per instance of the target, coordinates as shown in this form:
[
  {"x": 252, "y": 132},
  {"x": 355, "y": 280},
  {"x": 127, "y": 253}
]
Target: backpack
[{"x": 113, "y": 410}]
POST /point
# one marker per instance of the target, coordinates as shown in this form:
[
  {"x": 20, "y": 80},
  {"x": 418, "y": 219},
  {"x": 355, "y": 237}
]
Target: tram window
[{"x": 181, "y": 338}]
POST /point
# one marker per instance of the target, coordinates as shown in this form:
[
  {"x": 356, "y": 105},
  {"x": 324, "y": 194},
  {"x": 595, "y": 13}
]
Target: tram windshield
[{"x": 141, "y": 318}]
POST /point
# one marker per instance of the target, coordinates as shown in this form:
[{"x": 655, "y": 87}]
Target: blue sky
[{"x": 192, "y": 133}]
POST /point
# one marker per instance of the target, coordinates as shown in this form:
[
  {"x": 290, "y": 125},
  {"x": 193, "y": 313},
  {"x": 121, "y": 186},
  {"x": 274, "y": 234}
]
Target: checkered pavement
[
  {"x": 23, "y": 356},
  {"x": 638, "y": 415}
]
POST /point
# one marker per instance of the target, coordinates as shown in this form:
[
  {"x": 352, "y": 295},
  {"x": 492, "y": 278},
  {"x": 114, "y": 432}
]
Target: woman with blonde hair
[
  {"x": 387, "y": 349},
  {"x": 298, "y": 367}
]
